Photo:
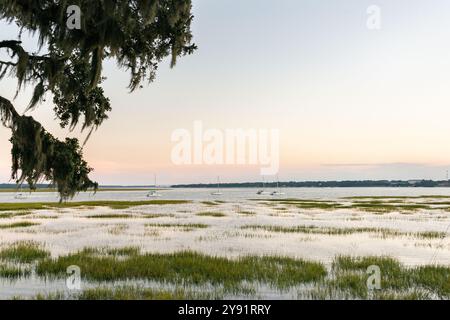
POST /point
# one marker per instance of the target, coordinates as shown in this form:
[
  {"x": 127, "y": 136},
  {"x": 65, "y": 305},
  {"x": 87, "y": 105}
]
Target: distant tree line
[
  {"x": 326, "y": 184},
  {"x": 290, "y": 184}
]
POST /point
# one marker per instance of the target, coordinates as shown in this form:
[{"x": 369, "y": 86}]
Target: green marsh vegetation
[
  {"x": 24, "y": 252},
  {"x": 311, "y": 229},
  {"x": 15, "y": 255},
  {"x": 140, "y": 293},
  {"x": 110, "y": 216},
  {"x": 156, "y": 215},
  {"x": 211, "y": 214},
  {"x": 110, "y": 204},
  {"x": 210, "y": 203},
  {"x": 179, "y": 226},
  {"x": 187, "y": 268},
  {"x": 399, "y": 197},
  {"x": 397, "y": 281},
  {"x": 124, "y": 251},
  {"x": 133, "y": 293},
  {"x": 247, "y": 212},
  {"x": 7, "y": 215},
  {"x": 22, "y": 224},
  {"x": 377, "y": 205},
  {"x": 346, "y": 278},
  {"x": 13, "y": 272},
  {"x": 192, "y": 275},
  {"x": 118, "y": 228},
  {"x": 303, "y": 203},
  {"x": 128, "y": 216},
  {"x": 291, "y": 200}
]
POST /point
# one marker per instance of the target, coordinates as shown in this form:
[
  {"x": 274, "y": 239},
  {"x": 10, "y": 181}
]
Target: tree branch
[
  {"x": 11, "y": 44},
  {"x": 8, "y": 63},
  {"x": 7, "y": 112},
  {"x": 16, "y": 46}
]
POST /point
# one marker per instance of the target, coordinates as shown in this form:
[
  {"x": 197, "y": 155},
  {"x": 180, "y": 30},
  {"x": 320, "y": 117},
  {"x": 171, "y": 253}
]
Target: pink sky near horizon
[{"x": 349, "y": 103}]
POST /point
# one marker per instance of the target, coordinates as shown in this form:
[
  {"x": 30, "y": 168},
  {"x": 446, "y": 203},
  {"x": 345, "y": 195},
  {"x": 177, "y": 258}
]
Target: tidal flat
[{"x": 292, "y": 248}]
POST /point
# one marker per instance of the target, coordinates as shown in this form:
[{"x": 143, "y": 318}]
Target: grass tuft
[
  {"x": 109, "y": 216},
  {"x": 188, "y": 267},
  {"x": 311, "y": 229},
  {"x": 21, "y": 224},
  {"x": 137, "y": 293},
  {"x": 211, "y": 214},
  {"x": 24, "y": 252},
  {"x": 181, "y": 226},
  {"x": 13, "y": 272},
  {"x": 111, "y": 204}
]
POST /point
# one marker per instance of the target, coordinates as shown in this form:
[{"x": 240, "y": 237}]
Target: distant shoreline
[
  {"x": 26, "y": 189},
  {"x": 326, "y": 184},
  {"x": 8, "y": 187}
]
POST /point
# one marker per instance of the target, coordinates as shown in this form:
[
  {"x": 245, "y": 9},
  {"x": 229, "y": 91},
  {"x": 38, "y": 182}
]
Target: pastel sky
[{"x": 350, "y": 103}]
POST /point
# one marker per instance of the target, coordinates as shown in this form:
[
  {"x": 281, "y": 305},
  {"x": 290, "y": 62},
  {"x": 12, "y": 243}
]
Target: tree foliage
[{"x": 137, "y": 34}]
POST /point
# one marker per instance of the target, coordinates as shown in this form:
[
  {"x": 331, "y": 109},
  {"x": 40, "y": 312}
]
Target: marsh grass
[
  {"x": 211, "y": 214},
  {"x": 247, "y": 213},
  {"x": 210, "y": 203},
  {"x": 398, "y": 197},
  {"x": 24, "y": 252},
  {"x": 307, "y": 229},
  {"x": 7, "y": 215},
  {"x": 319, "y": 205},
  {"x": 375, "y": 204},
  {"x": 44, "y": 217},
  {"x": 124, "y": 251},
  {"x": 387, "y": 207},
  {"x": 46, "y": 296},
  {"x": 156, "y": 215},
  {"x": 179, "y": 226},
  {"x": 389, "y": 265},
  {"x": 434, "y": 278},
  {"x": 111, "y": 204},
  {"x": 304, "y": 204},
  {"x": 13, "y": 272},
  {"x": 292, "y": 200},
  {"x": 199, "y": 276},
  {"x": 397, "y": 281},
  {"x": 21, "y": 224},
  {"x": 188, "y": 267},
  {"x": 118, "y": 228},
  {"x": 412, "y": 294},
  {"x": 138, "y": 293},
  {"x": 310, "y": 229},
  {"x": 132, "y": 293},
  {"x": 110, "y": 216},
  {"x": 128, "y": 216}
]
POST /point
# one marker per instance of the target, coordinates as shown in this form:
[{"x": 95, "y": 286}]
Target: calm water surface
[{"x": 234, "y": 194}]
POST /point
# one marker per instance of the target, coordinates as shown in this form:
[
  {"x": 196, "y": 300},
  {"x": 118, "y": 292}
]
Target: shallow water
[
  {"x": 232, "y": 194},
  {"x": 66, "y": 230}
]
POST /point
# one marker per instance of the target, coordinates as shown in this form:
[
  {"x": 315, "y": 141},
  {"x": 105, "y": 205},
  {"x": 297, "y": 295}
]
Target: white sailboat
[
  {"x": 217, "y": 193},
  {"x": 20, "y": 195},
  {"x": 278, "y": 192},
  {"x": 263, "y": 190},
  {"x": 153, "y": 193}
]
